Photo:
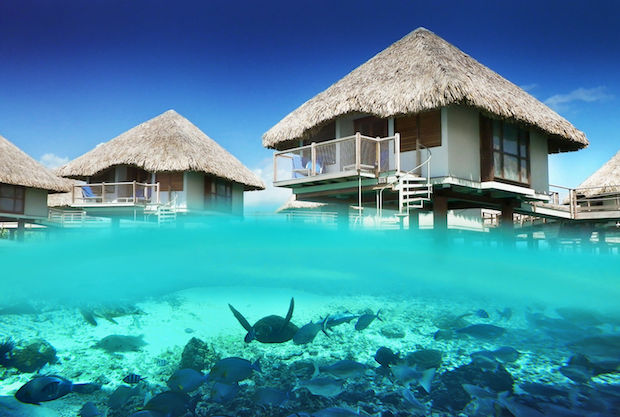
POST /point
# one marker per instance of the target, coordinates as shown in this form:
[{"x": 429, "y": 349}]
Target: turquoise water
[{"x": 182, "y": 280}]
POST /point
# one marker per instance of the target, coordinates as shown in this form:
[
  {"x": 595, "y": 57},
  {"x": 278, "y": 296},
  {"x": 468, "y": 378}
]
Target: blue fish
[
  {"x": 186, "y": 380},
  {"x": 50, "y": 388}
]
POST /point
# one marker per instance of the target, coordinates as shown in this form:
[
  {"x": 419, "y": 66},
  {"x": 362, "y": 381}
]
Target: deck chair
[
  {"x": 88, "y": 194},
  {"x": 299, "y": 171}
]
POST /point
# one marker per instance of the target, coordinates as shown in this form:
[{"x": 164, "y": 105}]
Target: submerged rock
[
  {"x": 120, "y": 343},
  {"x": 393, "y": 331},
  {"x": 449, "y": 395},
  {"x": 198, "y": 355},
  {"x": 34, "y": 356},
  {"x": 10, "y": 407}
]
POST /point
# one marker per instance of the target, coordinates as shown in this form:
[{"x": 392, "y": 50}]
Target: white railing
[
  {"x": 413, "y": 171},
  {"x": 114, "y": 193},
  {"x": 585, "y": 199},
  {"x": 354, "y": 154}
]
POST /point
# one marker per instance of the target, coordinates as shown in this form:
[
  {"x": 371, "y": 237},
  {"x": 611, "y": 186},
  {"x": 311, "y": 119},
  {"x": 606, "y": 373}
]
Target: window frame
[
  {"x": 216, "y": 200},
  {"x": 490, "y": 154},
  {"x": 18, "y": 194}
]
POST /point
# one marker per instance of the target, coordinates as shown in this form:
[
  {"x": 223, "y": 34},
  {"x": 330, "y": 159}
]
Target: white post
[
  {"x": 397, "y": 151},
  {"x": 358, "y": 148},
  {"x": 275, "y": 167},
  {"x": 313, "y": 154}
]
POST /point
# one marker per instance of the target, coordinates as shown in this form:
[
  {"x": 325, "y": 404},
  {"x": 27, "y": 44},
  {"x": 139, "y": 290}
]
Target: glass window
[
  {"x": 497, "y": 135},
  {"x": 218, "y": 194},
  {"x": 12, "y": 198},
  {"x": 510, "y": 147}
]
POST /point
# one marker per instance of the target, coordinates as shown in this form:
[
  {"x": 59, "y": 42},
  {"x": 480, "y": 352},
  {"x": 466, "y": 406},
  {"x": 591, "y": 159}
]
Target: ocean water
[{"x": 437, "y": 299}]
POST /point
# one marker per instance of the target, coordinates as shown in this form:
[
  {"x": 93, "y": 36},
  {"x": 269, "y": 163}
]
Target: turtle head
[{"x": 250, "y": 336}]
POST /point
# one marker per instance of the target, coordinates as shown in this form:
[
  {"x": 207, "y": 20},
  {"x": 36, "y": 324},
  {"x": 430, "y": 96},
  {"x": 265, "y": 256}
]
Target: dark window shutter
[{"x": 486, "y": 149}]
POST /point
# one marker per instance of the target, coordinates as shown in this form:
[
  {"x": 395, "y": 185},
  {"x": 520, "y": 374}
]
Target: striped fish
[{"x": 133, "y": 379}]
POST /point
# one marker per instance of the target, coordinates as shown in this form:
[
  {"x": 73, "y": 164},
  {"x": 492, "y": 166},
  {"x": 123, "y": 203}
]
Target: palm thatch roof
[
  {"x": 418, "y": 73},
  {"x": 17, "y": 168},
  {"x": 606, "y": 180},
  {"x": 293, "y": 204},
  {"x": 168, "y": 142}
]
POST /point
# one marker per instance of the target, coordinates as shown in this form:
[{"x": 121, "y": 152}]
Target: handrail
[
  {"x": 398, "y": 175},
  {"x": 328, "y": 142}
]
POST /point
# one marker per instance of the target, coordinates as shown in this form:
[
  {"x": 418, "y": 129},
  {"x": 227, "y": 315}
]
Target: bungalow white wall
[{"x": 35, "y": 204}]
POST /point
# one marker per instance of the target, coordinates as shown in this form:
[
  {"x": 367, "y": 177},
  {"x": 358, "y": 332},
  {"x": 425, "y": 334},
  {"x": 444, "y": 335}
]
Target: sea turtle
[{"x": 270, "y": 329}]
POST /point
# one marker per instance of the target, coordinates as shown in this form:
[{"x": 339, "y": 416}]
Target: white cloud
[
  {"x": 53, "y": 161},
  {"x": 271, "y": 197},
  {"x": 588, "y": 95},
  {"x": 528, "y": 87}
]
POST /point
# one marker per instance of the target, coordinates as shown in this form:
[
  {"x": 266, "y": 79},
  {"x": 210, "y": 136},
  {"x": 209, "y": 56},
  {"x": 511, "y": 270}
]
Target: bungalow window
[
  {"x": 423, "y": 127},
  {"x": 12, "y": 198},
  {"x": 371, "y": 126},
  {"x": 218, "y": 194},
  {"x": 505, "y": 153},
  {"x": 170, "y": 181}
]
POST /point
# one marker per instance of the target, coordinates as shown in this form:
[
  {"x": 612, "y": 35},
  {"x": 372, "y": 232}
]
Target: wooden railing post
[
  {"x": 134, "y": 192},
  {"x": 378, "y": 156},
  {"x": 313, "y": 156},
  {"x": 275, "y": 167},
  {"x": 358, "y": 149},
  {"x": 397, "y": 150},
  {"x": 102, "y": 193},
  {"x": 73, "y": 195}
]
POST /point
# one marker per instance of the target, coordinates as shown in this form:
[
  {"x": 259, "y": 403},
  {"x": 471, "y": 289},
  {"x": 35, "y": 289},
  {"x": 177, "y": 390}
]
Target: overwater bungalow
[
  {"x": 163, "y": 167},
  {"x": 421, "y": 126},
  {"x": 601, "y": 190},
  {"x": 24, "y": 187}
]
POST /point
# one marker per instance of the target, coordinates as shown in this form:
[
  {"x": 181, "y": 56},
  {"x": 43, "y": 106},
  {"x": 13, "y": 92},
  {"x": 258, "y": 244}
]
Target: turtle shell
[{"x": 274, "y": 329}]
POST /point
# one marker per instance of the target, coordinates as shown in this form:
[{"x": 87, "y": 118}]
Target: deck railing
[
  {"x": 352, "y": 154},
  {"x": 115, "y": 193},
  {"x": 585, "y": 199}
]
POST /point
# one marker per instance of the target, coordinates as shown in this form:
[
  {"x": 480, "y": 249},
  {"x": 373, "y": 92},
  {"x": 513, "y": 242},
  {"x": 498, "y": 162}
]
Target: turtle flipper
[
  {"x": 289, "y": 315},
  {"x": 240, "y": 318}
]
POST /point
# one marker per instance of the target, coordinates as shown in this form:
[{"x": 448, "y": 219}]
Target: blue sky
[{"x": 75, "y": 75}]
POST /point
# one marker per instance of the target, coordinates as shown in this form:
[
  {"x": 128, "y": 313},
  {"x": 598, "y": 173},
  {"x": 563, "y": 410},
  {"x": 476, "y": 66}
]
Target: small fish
[
  {"x": 133, "y": 379},
  {"x": 482, "y": 314},
  {"x": 415, "y": 404},
  {"x": 323, "y": 386},
  {"x": 267, "y": 396},
  {"x": 340, "y": 318},
  {"x": 89, "y": 410},
  {"x": 335, "y": 412},
  {"x": 49, "y": 388},
  {"x": 506, "y": 354},
  {"x": 365, "y": 320},
  {"x": 120, "y": 396},
  {"x": 443, "y": 335},
  {"x": 307, "y": 333},
  {"x": 405, "y": 375},
  {"x": 168, "y": 404},
  {"x": 186, "y": 380},
  {"x": 385, "y": 356},
  {"x": 88, "y": 316},
  {"x": 233, "y": 369},
  {"x": 223, "y": 393},
  {"x": 482, "y": 331},
  {"x": 345, "y": 369}
]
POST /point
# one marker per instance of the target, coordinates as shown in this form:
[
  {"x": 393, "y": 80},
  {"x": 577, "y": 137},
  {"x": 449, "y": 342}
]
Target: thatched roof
[
  {"x": 418, "y": 73},
  {"x": 17, "y": 168},
  {"x": 293, "y": 204},
  {"x": 606, "y": 177},
  {"x": 168, "y": 142}
]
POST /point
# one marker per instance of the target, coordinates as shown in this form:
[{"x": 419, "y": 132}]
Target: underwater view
[{"x": 259, "y": 317}]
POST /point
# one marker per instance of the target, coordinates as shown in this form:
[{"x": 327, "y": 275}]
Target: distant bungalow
[
  {"x": 24, "y": 186},
  {"x": 163, "y": 165},
  {"x": 421, "y": 125},
  {"x": 601, "y": 190}
]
